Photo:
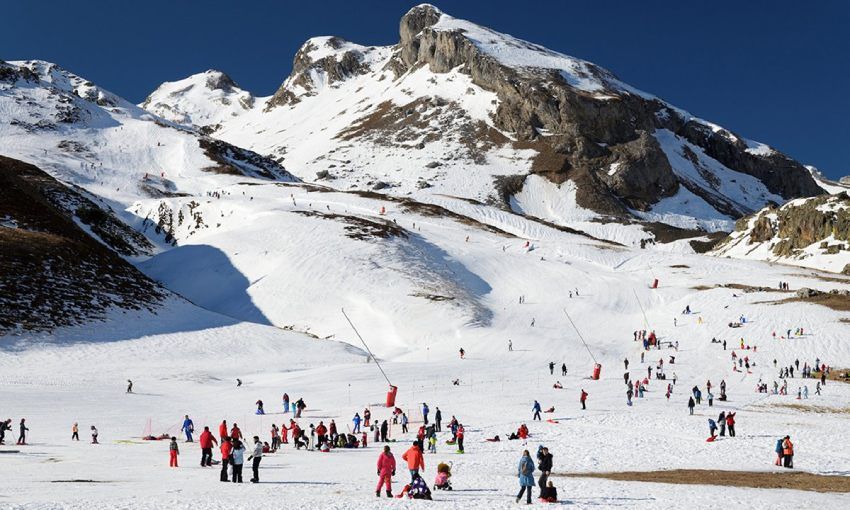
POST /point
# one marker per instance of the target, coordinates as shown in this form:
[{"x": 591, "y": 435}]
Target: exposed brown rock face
[
  {"x": 52, "y": 273},
  {"x": 602, "y": 140}
]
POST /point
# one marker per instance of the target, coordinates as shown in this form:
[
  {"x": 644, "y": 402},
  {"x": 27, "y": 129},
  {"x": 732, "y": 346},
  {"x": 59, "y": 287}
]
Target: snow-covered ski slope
[{"x": 280, "y": 254}]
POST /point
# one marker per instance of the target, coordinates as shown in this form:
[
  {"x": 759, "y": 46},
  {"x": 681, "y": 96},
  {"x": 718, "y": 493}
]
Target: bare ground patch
[
  {"x": 738, "y": 286},
  {"x": 794, "y": 480},
  {"x": 806, "y": 408},
  {"x": 835, "y": 302}
]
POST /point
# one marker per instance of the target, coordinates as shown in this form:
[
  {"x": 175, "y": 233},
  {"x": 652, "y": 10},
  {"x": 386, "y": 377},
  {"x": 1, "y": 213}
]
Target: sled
[
  {"x": 449, "y": 441},
  {"x": 552, "y": 421},
  {"x": 10, "y": 451},
  {"x": 711, "y": 439}
]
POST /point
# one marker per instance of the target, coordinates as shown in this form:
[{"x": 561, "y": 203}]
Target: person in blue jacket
[
  {"x": 188, "y": 428},
  {"x": 356, "y": 421},
  {"x": 525, "y": 472},
  {"x": 536, "y": 410},
  {"x": 712, "y": 427},
  {"x": 425, "y": 411}
]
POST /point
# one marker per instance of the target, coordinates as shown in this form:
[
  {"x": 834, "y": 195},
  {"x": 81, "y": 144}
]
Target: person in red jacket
[
  {"x": 235, "y": 433},
  {"x": 222, "y": 430},
  {"x": 226, "y": 448},
  {"x": 321, "y": 434},
  {"x": 386, "y": 471},
  {"x": 415, "y": 460},
  {"x": 583, "y": 399},
  {"x": 284, "y": 433},
  {"x": 460, "y": 433},
  {"x": 206, "y": 441},
  {"x": 730, "y": 424}
]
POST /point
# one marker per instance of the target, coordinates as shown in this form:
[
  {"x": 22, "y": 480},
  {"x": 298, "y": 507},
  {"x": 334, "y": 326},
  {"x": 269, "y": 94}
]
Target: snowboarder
[
  {"x": 94, "y": 435},
  {"x": 525, "y": 472},
  {"x": 256, "y": 456},
  {"x": 583, "y": 399},
  {"x": 386, "y": 471},
  {"x": 188, "y": 428},
  {"x": 536, "y": 410},
  {"x": 206, "y": 442},
  {"x": 173, "y": 452}
]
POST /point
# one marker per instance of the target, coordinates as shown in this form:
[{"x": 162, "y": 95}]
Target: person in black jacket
[
  {"x": 438, "y": 417},
  {"x": 544, "y": 464}
]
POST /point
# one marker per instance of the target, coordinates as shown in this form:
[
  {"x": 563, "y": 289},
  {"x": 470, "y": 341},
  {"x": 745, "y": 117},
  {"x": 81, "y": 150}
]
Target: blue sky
[{"x": 775, "y": 71}]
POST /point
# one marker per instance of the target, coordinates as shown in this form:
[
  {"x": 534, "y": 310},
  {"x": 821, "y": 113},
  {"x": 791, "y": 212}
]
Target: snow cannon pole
[
  {"x": 645, "y": 320},
  {"x": 366, "y": 346},
  {"x": 597, "y": 367}
]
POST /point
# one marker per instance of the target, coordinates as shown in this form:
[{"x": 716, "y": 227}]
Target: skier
[
  {"x": 256, "y": 456},
  {"x": 129, "y": 386},
  {"x": 691, "y": 405},
  {"x": 386, "y": 471},
  {"x": 583, "y": 399},
  {"x": 356, "y": 421},
  {"x": 462, "y": 353},
  {"x": 94, "y": 435},
  {"x": 75, "y": 431},
  {"x": 206, "y": 441},
  {"x": 438, "y": 417},
  {"x": 226, "y": 451},
  {"x": 415, "y": 460},
  {"x": 237, "y": 458},
  {"x": 22, "y": 437},
  {"x": 188, "y": 428},
  {"x": 173, "y": 452},
  {"x": 525, "y": 472},
  {"x": 536, "y": 409}
]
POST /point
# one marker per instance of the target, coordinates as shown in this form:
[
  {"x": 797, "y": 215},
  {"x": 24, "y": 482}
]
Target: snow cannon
[
  {"x": 391, "y": 395},
  {"x": 597, "y": 371},
  {"x": 655, "y": 283}
]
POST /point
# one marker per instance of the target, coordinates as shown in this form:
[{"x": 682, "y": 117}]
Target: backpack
[{"x": 527, "y": 468}]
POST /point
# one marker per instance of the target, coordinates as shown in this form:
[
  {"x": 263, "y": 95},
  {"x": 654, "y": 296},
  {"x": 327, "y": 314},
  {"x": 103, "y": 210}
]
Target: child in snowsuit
[{"x": 444, "y": 472}]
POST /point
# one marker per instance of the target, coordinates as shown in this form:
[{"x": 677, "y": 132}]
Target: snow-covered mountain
[
  {"x": 813, "y": 232},
  {"x": 461, "y": 110}
]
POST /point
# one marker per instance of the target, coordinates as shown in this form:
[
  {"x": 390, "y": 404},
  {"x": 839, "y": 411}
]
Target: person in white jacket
[{"x": 256, "y": 456}]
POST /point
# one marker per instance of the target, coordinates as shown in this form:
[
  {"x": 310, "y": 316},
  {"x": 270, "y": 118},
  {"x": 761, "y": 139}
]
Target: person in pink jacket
[{"x": 386, "y": 471}]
